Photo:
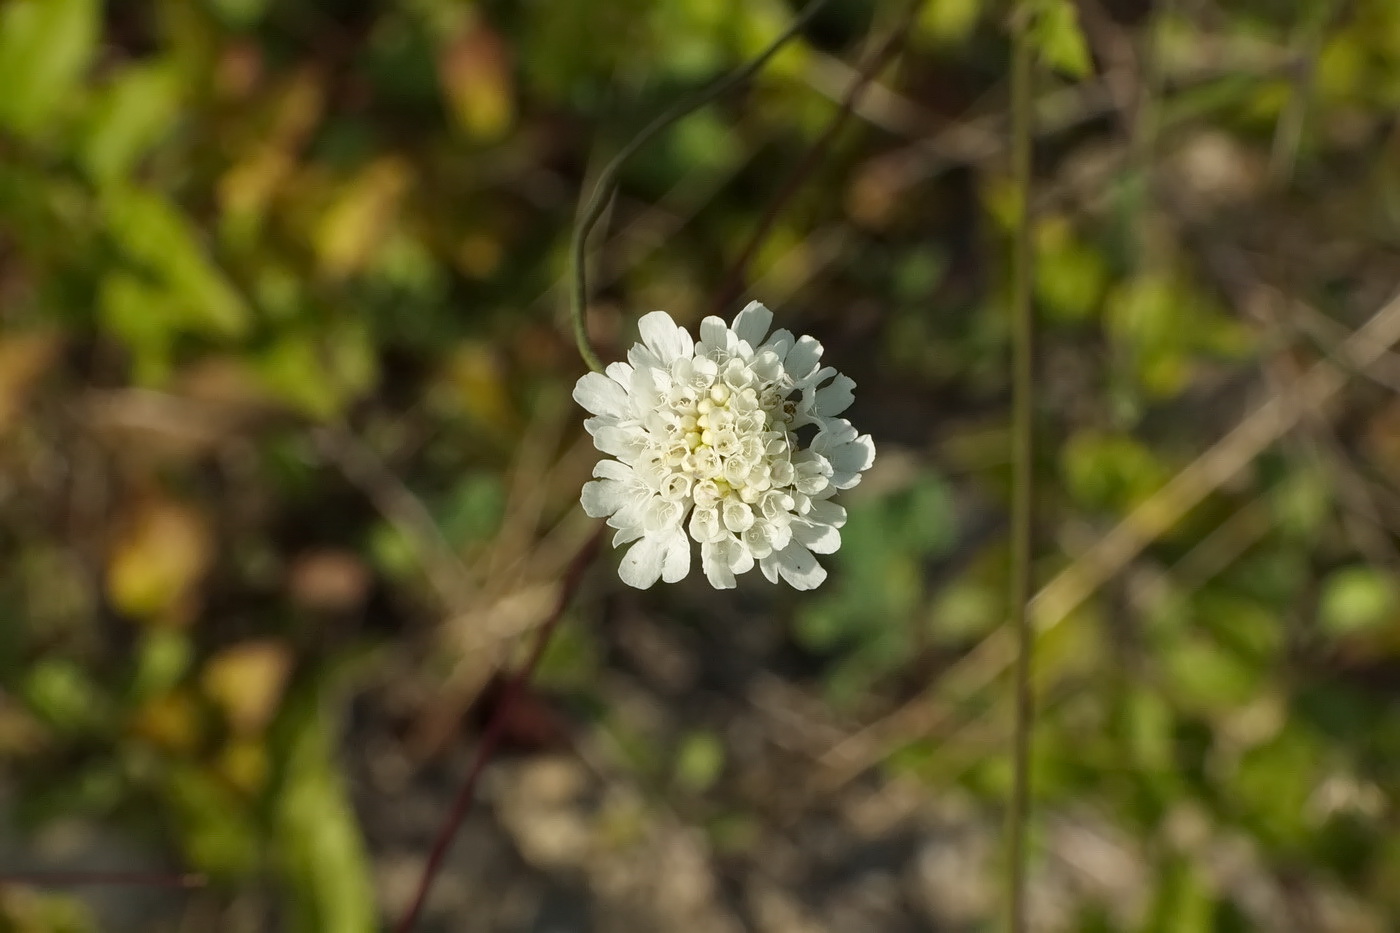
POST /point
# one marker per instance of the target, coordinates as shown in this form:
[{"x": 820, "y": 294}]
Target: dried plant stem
[
  {"x": 1023, "y": 481},
  {"x": 875, "y": 62},
  {"x": 607, "y": 178},
  {"x": 491, "y": 735}
]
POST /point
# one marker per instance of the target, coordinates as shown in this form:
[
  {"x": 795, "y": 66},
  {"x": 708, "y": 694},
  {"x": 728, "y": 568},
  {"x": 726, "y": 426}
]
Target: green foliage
[
  {"x": 949, "y": 21},
  {"x": 133, "y": 113},
  {"x": 64, "y": 695},
  {"x": 1109, "y": 471},
  {"x": 699, "y": 761},
  {"x": 1184, "y": 902},
  {"x": 46, "y": 47},
  {"x": 322, "y": 852},
  {"x": 1070, "y": 275},
  {"x": 1056, "y": 35},
  {"x": 167, "y": 287},
  {"x": 870, "y": 616},
  {"x": 1358, "y": 599},
  {"x": 213, "y": 824},
  {"x": 1164, "y": 327},
  {"x": 226, "y": 224}
]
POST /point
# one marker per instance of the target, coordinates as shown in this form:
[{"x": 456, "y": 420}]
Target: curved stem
[
  {"x": 1023, "y": 455},
  {"x": 607, "y": 178}
]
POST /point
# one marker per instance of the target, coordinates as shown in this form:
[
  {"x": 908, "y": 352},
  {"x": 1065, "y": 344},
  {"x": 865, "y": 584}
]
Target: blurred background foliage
[{"x": 288, "y": 465}]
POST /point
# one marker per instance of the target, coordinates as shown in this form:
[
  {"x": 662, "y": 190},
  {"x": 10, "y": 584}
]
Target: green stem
[
  {"x": 1023, "y": 455},
  {"x": 607, "y": 178}
]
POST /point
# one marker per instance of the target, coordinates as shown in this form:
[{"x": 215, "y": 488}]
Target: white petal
[
  {"x": 664, "y": 338},
  {"x": 816, "y": 537},
  {"x": 827, "y": 513},
  {"x": 611, "y": 469},
  {"x": 849, "y": 460},
  {"x": 751, "y": 324},
  {"x": 740, "y": 557},
  {"x": 798, "y": 567},
  {"x": 780, "y": 535},
  {"x": 643, "y": 362},
  {"x": 623, "y": 443},
  {"x": 675, "y": 561},
  {"x": 603, "y": 497},
  {"x": 780, "y": 342},
  {"x": 632, "y": 514},
  {"x": 641, "y": 566},
  {"x": 601, "y": 395},
  {"x": 835, "y": 397},
  {"x": 714, "y": 333},
  {"x": 625, "y": 534},
  {"x": 803, "y": 358},
  {"x": 646, "y": 387},
  {"x": 599, "y": 422},
  {"x": 769, "y": 566},
  {"x": 834, "y": 433},
  {"x": 714, "y": 559},
  {"x": 810, "y": 382}
]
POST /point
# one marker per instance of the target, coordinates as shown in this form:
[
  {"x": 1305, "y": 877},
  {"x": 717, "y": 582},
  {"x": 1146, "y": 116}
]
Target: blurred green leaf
[
  {"x": 61, "y": 692},
  {"x": 1250, "y": 629},
  {"x": 1070, "y": 275},
  {"x": 45, "y": 47},
  {"x": 393, "y": 552},
  {"x": 320, "y": 372},
  {"x": 1109, "y": 471},
  {"x": 1302, "y": 502},
  {"x": 869, "y": 616},
  {"x": 1206, "y": 677},
  {"x": 1058, "y": 38},
  {"x": 1273, "y": 783},
  {"x": 699, "y": 761},
  {"x": 949, "y": 21},
  {"x": 216, "y": 830},
  {"x": 319, "y": 842},
  {"x": 966, "y": 609},
  {"x": 131, "y": 115},
  {"x": 191, "y": 294},
  {"x": 1149, "y": 728},
  {"x": 240, "y": 13},
  {"x": 163, "y": 659},
  {"x": 139, "y": 314},
  {"x": 1183, "y": 902},
  {"x": 474, "y": 509},
  {"x": 571, "y": 660},
  {"x": 1358, "y": 599}
]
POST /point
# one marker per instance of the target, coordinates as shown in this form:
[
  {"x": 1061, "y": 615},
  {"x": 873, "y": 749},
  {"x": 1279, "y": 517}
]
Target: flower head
[{"x": 704, "y": 437}]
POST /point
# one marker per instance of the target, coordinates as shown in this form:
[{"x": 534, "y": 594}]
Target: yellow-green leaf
[
  {"x": 132, "y": 114},
  {"x": 1059, "y": 40},
  {"x": 45, "y": 48}
]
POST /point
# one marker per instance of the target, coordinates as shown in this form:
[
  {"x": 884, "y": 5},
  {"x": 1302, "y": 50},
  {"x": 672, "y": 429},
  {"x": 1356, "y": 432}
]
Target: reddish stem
[{"x": 491, "y": 736}]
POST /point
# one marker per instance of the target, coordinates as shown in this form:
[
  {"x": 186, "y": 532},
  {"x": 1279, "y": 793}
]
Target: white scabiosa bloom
[{"x": 705, "y": 441}]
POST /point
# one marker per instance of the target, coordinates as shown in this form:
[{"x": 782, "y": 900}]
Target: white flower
[{"x": 706, "y": 446}]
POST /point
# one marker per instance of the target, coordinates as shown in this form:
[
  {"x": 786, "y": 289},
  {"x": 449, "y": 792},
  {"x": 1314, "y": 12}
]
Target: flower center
[{"x": 727, "y": 434}]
